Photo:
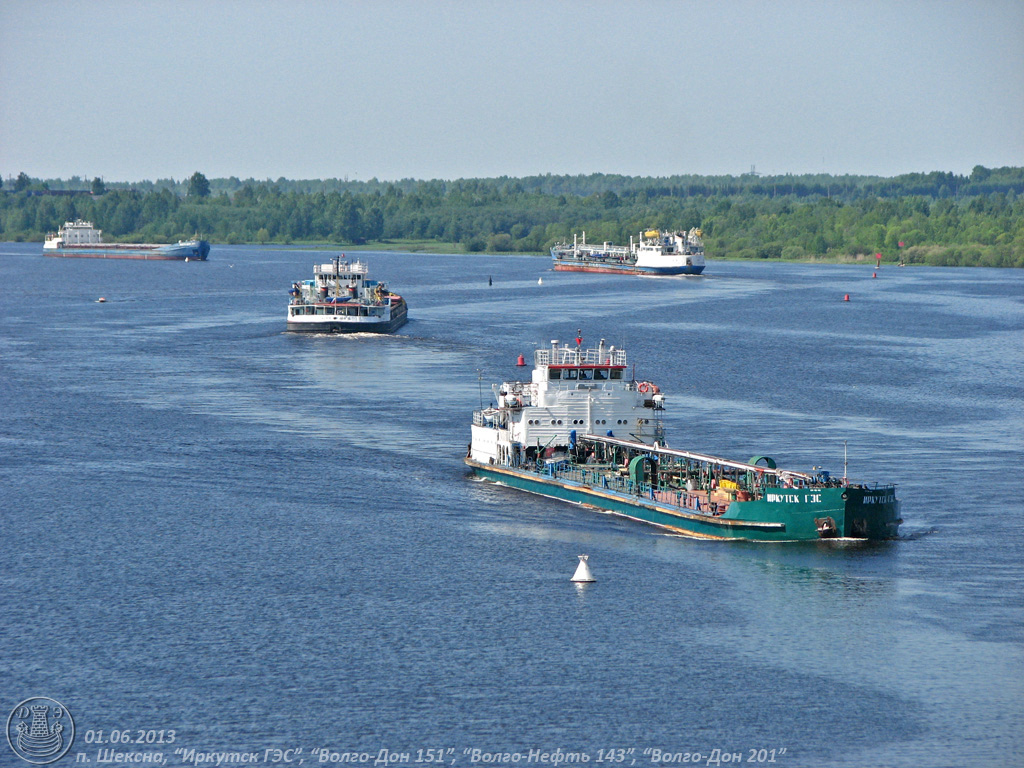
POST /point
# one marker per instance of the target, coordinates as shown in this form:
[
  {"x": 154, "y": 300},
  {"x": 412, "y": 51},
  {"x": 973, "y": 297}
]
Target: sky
[{"x": 394, "y": 89}]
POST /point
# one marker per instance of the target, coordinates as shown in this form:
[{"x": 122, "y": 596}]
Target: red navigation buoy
[
  {"x": 846, "y": 297},
  {"x": 874, "y": 274},
  {"x": 521, "y": 360}
]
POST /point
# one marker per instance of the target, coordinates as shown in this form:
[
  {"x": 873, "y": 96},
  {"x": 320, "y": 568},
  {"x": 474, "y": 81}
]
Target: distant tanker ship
[{"x": 655, "y": 253}]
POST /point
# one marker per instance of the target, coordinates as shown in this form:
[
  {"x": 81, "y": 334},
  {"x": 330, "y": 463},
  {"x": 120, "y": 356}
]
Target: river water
[{"x": 265, "y": 541}]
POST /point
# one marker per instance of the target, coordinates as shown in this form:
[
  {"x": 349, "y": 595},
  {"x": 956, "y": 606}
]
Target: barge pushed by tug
[
  {"x": 582, "y": 431},
  {"x": 340, "y": 299}
]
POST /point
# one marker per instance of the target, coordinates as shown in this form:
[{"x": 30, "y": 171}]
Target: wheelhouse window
[
  {"x": 600, "y": 374},
  {"x": 554, "y": 374},
  {"x": 616, "y": 373}
]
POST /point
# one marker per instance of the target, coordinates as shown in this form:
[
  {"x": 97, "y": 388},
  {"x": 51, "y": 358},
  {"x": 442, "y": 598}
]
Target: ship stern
[{"x": 871, "y": 513}]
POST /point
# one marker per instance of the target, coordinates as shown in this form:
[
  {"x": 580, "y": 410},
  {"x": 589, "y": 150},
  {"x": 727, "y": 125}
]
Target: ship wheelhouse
[
  {"x": 573, "y": 392},
  {"x": 77, "y": 232}
]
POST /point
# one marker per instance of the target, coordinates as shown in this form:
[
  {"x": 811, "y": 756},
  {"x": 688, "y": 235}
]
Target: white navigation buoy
[
  {"x": 540, "y": 281},
  {"x": 583, "y": 573}
]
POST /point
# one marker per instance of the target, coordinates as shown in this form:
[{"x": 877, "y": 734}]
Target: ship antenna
[
  {"x": 844, "y": 463},
  {"x": 480, "y": 386}
]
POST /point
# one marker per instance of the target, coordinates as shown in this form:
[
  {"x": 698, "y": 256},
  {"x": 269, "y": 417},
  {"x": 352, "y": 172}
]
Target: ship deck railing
[
  {"x": 342, "y": 268},
  {"x": 487, "y": 417},
  {"x": 337, "y": 310},
  {"x": 589, "y": 249},
  {"x": 596, "y": 253},
  {"x": 703, "y": 500},
  {"x": 573, "y": 356},
  {"x": 608, "y": 478},
  {"x": 702, "y": 458}
]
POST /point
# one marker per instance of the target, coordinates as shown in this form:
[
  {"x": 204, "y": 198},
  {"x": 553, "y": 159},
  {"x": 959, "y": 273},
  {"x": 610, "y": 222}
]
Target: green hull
[{"x": 794, "y": 514}]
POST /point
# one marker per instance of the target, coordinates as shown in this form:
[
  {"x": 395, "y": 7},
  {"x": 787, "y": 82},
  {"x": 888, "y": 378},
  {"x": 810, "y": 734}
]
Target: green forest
[{"x": 936, "y": 218}]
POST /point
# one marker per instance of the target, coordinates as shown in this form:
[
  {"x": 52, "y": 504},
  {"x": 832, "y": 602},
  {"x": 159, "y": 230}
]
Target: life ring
[{"x": 644, "y": 387}]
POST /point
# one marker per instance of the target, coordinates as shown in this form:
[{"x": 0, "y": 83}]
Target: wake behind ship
[
  {"x": 82, "y": 240},
  {"x": 582, "y": 431}
]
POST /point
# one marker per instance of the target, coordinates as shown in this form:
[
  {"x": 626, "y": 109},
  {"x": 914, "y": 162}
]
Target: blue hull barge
[{"x": 80, "y": 239}]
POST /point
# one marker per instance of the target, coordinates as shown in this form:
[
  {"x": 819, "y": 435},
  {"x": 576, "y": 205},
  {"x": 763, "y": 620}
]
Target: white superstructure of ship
[{"x": 573, "y": 391}]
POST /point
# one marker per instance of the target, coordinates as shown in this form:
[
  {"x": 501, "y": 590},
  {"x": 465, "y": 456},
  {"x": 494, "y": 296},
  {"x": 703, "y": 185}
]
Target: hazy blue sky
[{"x": 302, "y": 89}]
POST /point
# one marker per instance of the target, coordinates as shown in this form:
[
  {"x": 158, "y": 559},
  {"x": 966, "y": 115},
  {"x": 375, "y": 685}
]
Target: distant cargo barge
[{"x": 80, "y": 239}]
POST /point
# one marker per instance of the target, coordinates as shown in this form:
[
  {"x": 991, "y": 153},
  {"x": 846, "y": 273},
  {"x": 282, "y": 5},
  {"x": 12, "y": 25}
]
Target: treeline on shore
[{"x": 936, "y": 218}]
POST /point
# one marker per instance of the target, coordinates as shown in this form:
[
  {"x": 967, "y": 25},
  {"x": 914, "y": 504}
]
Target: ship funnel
[{"x": 583, "y": 574}]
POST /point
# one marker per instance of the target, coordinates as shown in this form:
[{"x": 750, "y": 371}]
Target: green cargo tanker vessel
[{"x": 556, "y": 435}]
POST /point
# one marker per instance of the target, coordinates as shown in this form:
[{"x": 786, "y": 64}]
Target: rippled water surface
[{"x": 269, "y": 541}]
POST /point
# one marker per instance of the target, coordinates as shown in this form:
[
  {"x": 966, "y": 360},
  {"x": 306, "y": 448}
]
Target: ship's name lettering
[
  {"x": 793, "y": 498},
  {"x": 888, "y": 499}
]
